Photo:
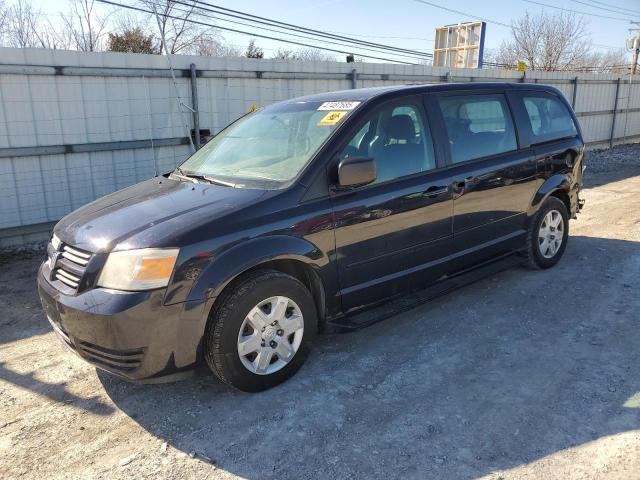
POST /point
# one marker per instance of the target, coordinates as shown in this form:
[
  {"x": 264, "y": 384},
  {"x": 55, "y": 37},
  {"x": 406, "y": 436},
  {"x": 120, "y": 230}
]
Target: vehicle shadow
[
  {"x": 56, "y": 392},
  {"x": 21, "y": 315},
  {"x": 498, "y": 374}
]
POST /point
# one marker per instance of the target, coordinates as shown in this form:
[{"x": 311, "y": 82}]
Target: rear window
[
  {"x": 477, "y": 126},
  {"x": 549, "y": 118}
]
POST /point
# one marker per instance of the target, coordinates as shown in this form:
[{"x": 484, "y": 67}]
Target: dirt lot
[{"x": 523, "y": 375}]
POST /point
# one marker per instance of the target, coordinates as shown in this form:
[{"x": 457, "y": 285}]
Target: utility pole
[
  {"x": 634, "y": 44},
  {"x": 636, "y": 50}
]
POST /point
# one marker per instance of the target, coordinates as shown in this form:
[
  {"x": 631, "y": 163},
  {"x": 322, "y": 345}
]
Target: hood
[{"x": 153, "y": 213}]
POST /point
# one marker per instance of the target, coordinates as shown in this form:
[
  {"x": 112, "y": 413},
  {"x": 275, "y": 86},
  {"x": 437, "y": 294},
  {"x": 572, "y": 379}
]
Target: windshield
[{"x": 271, "y": 145}]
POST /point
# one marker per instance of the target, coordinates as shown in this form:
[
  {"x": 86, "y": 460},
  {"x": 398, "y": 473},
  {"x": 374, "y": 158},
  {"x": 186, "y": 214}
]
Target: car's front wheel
[
  {"x": 259, "y": 332},
  {"x": 548, "y": 234}
]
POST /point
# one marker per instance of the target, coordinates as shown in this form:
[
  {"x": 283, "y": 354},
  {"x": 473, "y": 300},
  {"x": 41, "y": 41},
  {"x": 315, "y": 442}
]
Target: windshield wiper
[
  {"x": 217, "y": 181},
  {"x": 206, "y": 178}
]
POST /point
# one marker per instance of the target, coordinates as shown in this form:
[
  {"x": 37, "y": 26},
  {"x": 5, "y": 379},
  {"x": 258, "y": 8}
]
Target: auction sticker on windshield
[
  {"x": 338, "y": 105},
  {"x": 332, "y": 118}
]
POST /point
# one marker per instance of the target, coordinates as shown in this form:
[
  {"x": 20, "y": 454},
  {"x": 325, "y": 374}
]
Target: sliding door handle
[{"x": 435, "y": 190}]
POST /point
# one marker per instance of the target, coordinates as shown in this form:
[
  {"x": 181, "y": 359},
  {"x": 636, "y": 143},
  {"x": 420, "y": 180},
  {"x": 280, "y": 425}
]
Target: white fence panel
[{"x": 65, "y": 117}]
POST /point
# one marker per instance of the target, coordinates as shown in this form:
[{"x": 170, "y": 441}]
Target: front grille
[
  {"x": 67, "y": 263},
  {"x": 122, "y": 360}
]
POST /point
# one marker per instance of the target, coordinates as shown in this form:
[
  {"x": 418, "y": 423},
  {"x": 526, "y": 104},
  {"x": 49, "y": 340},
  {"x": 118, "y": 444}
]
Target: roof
[{"x": 362, "y": 94}]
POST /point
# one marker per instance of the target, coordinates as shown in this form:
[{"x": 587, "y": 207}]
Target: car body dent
[{"x": 559, "y": 181}]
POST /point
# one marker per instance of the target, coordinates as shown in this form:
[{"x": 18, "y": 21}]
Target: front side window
[
  {"x": 477, "y": 126},
  {"x": 549, "y": 117},
  {"x": 399, "y": 141},
  {"x": 270, "y": 146}
]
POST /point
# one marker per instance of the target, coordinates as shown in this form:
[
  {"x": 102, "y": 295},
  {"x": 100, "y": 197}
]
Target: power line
[
  {"x": 610, "y": 47},
  {"x": 495, "y": 22},
  {"x": 417, "y": 56},
  {"x": 347, "y": 52},
  {"x": 414, "y": 54},
  {"x": 267, "y": 21},
  {"x": 633, "y": 12},
  {"x": 600, "y": 8},
  {"x": 576, "y": 11},
  {"x": 465, "y": 14},
  {"x": 362, "y": 35}
]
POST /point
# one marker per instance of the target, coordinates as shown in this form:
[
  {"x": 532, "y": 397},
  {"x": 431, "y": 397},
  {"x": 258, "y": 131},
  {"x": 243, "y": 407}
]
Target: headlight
[{"x": 142, "y": 269}]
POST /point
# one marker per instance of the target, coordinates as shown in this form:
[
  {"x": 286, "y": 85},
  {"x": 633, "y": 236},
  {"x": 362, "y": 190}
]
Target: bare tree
[
  {"x": 610, "y": 61},
  {"x": 314, "y": 55},
  {"x": 3, "y": 21},
  {"x": 547, "y": 42},
  {"x": 304, "y": 55},
  {"x": 84, "y": 25},
  {"x": 215, "y": 46},
  {"x": 174, "y": 20},
  {"x": 22, "y": 20}
]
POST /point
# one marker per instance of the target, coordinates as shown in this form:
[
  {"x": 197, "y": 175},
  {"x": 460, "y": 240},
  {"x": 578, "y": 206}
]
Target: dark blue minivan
[{"x": 303, "y": 213}]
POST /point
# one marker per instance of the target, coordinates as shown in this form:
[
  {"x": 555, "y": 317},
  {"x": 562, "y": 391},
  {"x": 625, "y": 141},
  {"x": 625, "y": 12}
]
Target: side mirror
[{"x": 355, "y": 171}]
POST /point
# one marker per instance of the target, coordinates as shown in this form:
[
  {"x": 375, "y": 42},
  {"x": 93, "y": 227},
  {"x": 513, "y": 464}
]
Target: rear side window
[
  {"x": 477, "y": 126},
  {"x": 549, "y": 117}
]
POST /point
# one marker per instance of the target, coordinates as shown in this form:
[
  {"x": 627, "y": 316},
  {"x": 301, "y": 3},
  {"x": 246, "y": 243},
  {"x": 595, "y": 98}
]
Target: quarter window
[
  {"x": 397, "y": 139},
  {"x": 549, "y": 117},
  {"x": 477, "y": 126}
]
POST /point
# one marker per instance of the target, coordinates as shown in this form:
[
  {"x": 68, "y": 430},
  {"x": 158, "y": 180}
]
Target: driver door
[{"x": 395, "y": 232}]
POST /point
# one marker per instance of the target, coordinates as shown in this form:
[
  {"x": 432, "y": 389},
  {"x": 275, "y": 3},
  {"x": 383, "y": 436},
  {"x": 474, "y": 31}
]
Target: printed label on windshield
[
  {"x": 338, "y": 105},
  {"x": 332, "y": 118}
]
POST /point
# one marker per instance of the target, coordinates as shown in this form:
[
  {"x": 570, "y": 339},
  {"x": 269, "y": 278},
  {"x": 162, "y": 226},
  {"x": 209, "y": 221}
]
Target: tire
[
  {"x": 540, "y": 255},
  {"x": 264, "y": 294}
]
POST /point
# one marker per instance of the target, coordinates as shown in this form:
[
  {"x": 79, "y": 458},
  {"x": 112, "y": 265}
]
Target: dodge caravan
[{"x": 303, "y": 213}]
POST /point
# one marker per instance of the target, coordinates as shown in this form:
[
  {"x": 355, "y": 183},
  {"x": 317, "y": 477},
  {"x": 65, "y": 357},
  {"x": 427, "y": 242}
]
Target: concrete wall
[{"x": 75, "y": 126}]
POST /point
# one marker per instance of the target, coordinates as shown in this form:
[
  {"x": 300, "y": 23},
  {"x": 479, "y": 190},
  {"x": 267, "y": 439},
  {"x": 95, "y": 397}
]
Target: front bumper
[{"x": 130, "y": 334}]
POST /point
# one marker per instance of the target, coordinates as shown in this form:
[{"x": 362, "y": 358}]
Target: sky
[{"x": 410, "y": 23}]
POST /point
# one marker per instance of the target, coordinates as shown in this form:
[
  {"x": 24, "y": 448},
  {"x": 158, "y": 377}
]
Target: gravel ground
[{"x": 523, "y": 375}]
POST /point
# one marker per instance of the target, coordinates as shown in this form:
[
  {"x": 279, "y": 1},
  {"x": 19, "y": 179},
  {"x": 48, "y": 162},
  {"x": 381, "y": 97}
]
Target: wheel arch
[
  {"x": 558, "y": 186},
  {"x": 291, "y": 255}
]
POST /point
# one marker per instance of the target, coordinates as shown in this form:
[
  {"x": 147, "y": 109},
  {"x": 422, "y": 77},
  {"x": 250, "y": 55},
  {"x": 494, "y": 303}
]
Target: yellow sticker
[{"x": 332, "y": 118}]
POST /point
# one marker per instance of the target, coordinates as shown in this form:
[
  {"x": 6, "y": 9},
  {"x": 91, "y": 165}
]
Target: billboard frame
[{"x": 442, "y": 55}]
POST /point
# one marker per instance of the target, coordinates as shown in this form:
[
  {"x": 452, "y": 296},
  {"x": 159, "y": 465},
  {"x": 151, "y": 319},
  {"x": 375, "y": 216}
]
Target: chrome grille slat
[
  {"x": 70, "y": 265},
  {"x": 68, "y": 275},
  {"x": 80, "y": 261},
  {"x": 67, "y": 279},
  {"x": 77, "y": 253}
]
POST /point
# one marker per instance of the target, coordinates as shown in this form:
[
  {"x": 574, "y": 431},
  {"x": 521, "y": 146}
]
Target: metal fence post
[
  {"x": 615, "y": 112},
  {"x": 575, "y": 91},
  {"x": 354, "y": 78},
  {"x": 194, "y": 105}
]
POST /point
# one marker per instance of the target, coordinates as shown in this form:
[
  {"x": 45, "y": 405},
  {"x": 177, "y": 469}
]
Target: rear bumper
[{"x": 129, "y": 334}]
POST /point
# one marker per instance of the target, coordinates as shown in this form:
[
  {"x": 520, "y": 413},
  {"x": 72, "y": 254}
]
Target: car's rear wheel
[
  {"x": 259, "y": 332},
  {"x": 548, "y": 234}
]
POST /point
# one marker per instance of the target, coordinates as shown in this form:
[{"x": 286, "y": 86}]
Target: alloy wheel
[{"x": 551, "y": 234}]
